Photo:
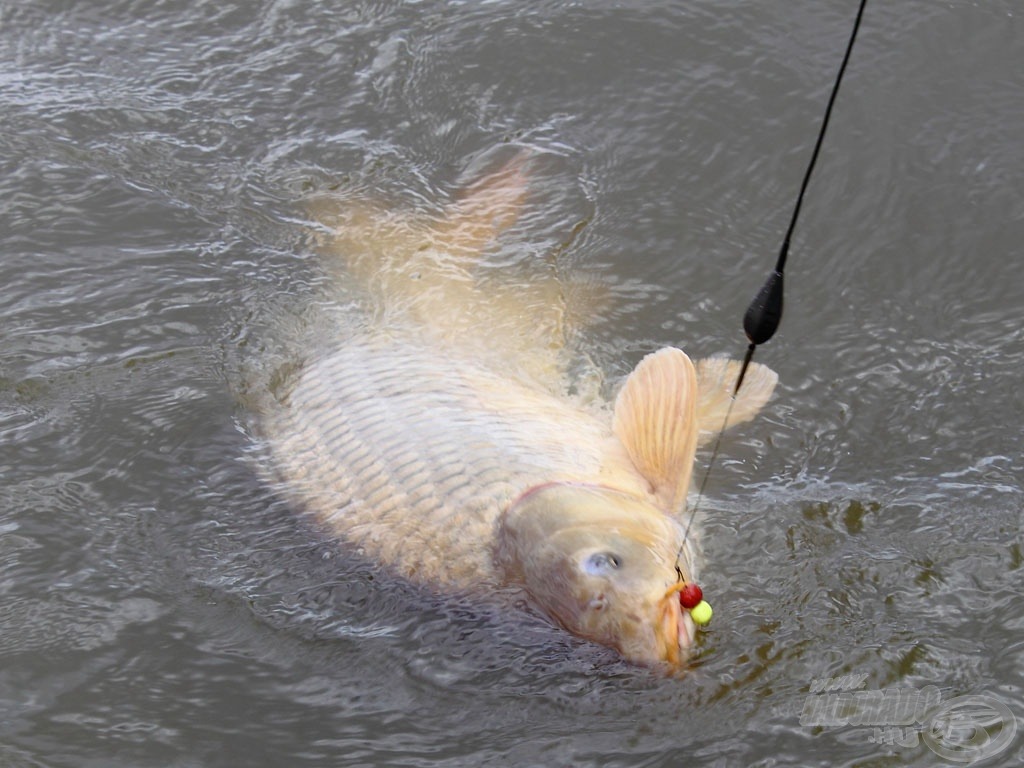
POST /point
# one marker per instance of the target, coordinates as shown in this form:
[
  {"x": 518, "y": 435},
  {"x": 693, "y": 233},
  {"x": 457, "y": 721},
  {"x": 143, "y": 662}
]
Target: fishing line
[{"x": 765, "y": 312}]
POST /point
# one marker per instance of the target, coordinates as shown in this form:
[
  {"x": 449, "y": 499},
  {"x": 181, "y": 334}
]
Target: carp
[{"x": 440, "y": 439}]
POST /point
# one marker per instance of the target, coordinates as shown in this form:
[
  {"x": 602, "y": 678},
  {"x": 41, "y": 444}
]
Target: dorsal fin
[
  {"x": 655, "y": 419},
  {"x": 394, "y": 253},
  {"x": 716, "y": 378},
  {"x": 485, "y": 209}
]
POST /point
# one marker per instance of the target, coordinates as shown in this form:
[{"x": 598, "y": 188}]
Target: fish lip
[
  {"x": 684, "y": 633},
  {"x": 687, "y": 632},
  {"x": 678, "y": 631}
]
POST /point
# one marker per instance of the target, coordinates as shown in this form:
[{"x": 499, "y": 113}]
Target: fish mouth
[{"x": 676, "y": 629}]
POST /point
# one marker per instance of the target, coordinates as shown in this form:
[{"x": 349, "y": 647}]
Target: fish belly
[{"x": 412, "y": 453}]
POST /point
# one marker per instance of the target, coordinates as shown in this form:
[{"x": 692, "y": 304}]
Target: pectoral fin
[
  {"x": 716, "y": 378},
  {"x": 656, "y": 420}
]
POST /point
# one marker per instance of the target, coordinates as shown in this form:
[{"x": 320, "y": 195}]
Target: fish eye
[{"x": 602, "y": 562}]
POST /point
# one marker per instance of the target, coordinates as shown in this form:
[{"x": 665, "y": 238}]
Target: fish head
[{"x": 602, "y": 563}]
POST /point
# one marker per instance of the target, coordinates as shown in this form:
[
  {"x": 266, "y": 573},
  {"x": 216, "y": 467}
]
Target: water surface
[{"x": 160, "y": 606}]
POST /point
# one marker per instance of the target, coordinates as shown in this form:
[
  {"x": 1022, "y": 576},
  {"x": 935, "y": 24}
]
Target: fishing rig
[{"x": 760, "y": 322}]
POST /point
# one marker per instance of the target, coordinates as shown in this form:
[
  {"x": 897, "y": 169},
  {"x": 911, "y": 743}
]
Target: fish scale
[{"x": 412, "y": 454}]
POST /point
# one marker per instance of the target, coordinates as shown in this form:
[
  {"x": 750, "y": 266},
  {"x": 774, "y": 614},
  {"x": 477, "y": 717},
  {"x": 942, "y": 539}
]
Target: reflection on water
[{"x": 160, "y": 606}]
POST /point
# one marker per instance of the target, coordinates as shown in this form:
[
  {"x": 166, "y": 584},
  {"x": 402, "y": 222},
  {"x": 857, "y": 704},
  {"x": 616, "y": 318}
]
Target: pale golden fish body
[{"x": 412, "y": 452}]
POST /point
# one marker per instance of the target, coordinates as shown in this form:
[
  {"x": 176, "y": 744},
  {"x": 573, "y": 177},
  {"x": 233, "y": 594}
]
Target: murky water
[{"x": 159, "y": 606}]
